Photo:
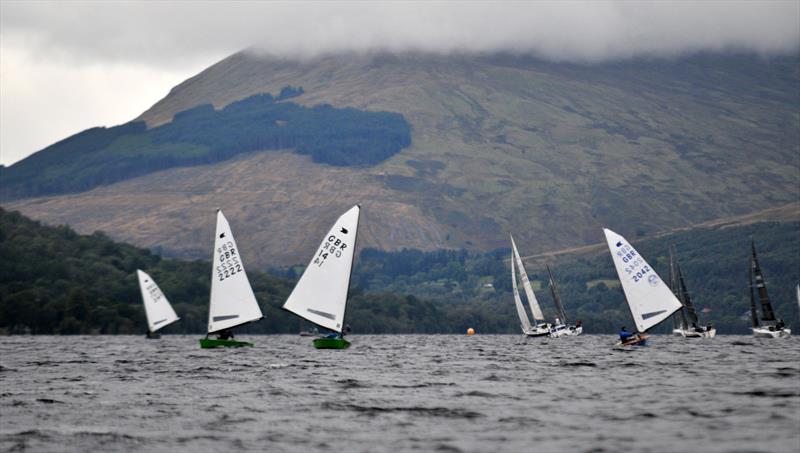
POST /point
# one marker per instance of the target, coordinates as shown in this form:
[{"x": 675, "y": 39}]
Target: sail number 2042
[
  {"x": 229, "y": 264},
  {"x": 632, "y": 262},
  {"x": 332, "y": 246}
]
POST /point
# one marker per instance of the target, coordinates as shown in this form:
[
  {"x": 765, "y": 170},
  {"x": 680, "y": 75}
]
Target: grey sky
[{"x": 67, "y": 66}]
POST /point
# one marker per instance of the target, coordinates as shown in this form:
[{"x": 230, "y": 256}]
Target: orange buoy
[{"x": 470, "y": 331}]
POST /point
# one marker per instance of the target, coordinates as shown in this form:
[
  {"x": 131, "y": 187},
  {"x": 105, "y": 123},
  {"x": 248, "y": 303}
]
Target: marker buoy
[{"x": 470, "y": 331}]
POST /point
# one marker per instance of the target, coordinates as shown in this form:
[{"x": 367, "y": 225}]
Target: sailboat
[
  {"x": 539, "y": 328},
  {"x": 648, "y": 297},
  {"x": 561, "y": 327},
  {"x": 156, "y": 306},
  {"x": 232, "y": 301},
  {"x": 320, "y": 295},
  {"x": 769, "y": 327},
  {"x": 684, "y": 321}
]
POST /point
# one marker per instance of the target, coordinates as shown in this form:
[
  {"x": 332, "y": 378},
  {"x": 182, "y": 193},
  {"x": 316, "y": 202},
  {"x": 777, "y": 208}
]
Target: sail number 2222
[{"x": 228, "y": 264}]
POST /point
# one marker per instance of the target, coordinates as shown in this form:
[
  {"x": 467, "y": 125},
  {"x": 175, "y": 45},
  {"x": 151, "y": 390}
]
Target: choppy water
[{"x": 400, "y": 393}]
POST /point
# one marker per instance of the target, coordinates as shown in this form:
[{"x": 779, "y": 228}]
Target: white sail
[
  {"x": 526, "y": 284},
  {"x": 649, "y": 298},
  {"x": 156, "y": 306},
  {"x": 321, "y": 294},
  {"x": 232, "y": 299},
  {"x": 525, "y": 323}
]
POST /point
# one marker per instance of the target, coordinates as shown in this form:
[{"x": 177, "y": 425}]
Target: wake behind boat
[
  {"x": 769, "y": 327},
  {"x": 320, "y": 295},
  {"x": 156, "y": 306},
  {"x": 232, "y": 301},
  {"x": 649, "y": 299}
]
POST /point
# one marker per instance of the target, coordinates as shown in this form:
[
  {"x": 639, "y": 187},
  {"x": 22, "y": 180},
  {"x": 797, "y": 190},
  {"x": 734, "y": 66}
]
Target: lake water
[{"x": 400, "y": 393}]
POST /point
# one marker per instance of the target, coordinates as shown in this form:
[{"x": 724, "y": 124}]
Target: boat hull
[
  {"x": 152, "y": 335},
  {"x": 542, "y": 330},
  {"x": 209, "y": 343},
  {"x": 564, "y": 331},
  {"x": 765, "y": 332},
  {"x": 639, "y": 340},
  {"x": 689, "y": 333},
  {"x": 331, "y": 343}
]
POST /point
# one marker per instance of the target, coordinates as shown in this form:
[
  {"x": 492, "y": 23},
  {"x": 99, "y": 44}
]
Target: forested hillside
[
  {"x": 203, "y": 135},
  {"x": 53, "y": 280},
  {"x": 714, "y": 261}
]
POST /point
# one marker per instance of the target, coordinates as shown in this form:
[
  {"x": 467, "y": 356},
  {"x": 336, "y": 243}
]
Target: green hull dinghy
[
  {"x": 232, "y": 302},
  {"x": 207, "y": 343},
  {"x": 331, "y": 343}
]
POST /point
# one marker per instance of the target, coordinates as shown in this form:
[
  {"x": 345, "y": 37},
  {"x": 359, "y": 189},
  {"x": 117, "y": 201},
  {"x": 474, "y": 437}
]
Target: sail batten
[
  {"x": 320, "y": 295},
  {"x": 232, "y": 302},
  {"x": 156, "y": 306},
  {"x": 648, "y": 297},
  {"x": 536, "y": 310}
]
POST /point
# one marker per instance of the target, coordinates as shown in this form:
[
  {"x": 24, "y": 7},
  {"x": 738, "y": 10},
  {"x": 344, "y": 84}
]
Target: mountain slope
[{"x": 499, "y": 143}]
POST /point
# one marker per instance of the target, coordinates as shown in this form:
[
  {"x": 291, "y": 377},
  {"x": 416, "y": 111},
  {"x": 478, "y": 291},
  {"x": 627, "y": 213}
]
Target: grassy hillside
[{"x": 499, "y": 143}]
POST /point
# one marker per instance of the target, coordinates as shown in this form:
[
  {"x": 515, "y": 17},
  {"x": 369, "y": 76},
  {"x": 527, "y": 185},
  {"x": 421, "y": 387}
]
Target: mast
[
  {"x": 556, "y": 298},
  {"x": 350, "y": 277},
  {"x": 766, "y": 307},
  {"x": 685, "y": 298},
  {"x": 753, "y": 313}
]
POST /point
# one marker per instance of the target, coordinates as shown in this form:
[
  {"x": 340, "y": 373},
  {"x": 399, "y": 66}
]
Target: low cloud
[
  {"x": 68, "y": 66},
  {"x": 173, "y": 33}
]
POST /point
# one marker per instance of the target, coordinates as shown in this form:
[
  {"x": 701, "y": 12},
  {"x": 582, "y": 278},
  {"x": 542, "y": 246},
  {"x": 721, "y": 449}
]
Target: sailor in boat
[
  {"x": 624, "y": 335},
  {"x": 226, "y": 334}
]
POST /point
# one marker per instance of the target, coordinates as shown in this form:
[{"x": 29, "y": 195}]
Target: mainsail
[
  {"x": 526, "y": 284},
  {"x": 686, "y": 299},
  {"x": 753, "y": 312},
  {"x": 156, "y": 306},
  {"x": 766, "y": 307},
  {"x": 523, "y": 316},
  {"x": 556, "y": 297},
  {"x": 321, "y": 294},
  {"x": 648, "y": 297},
  {"x": 232, "y": 300},
  {"x": 679, "y": 318}
]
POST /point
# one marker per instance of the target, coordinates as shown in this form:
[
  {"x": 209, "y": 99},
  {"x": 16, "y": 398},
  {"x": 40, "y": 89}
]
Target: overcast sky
[{"x": 68, "y": 66}]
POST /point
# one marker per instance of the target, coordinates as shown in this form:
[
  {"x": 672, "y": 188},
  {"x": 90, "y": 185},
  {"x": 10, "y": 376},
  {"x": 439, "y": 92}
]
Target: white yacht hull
[
  {"x": 542, "y": 330},
  {"x": 691, "y": 333},
  {"x": 771, "y": 332},
  {"x": 565, "y": 331}
]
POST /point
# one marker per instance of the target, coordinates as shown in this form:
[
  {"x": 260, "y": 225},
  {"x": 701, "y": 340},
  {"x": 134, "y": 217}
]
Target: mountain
[{"x": 549, "y": 151}]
